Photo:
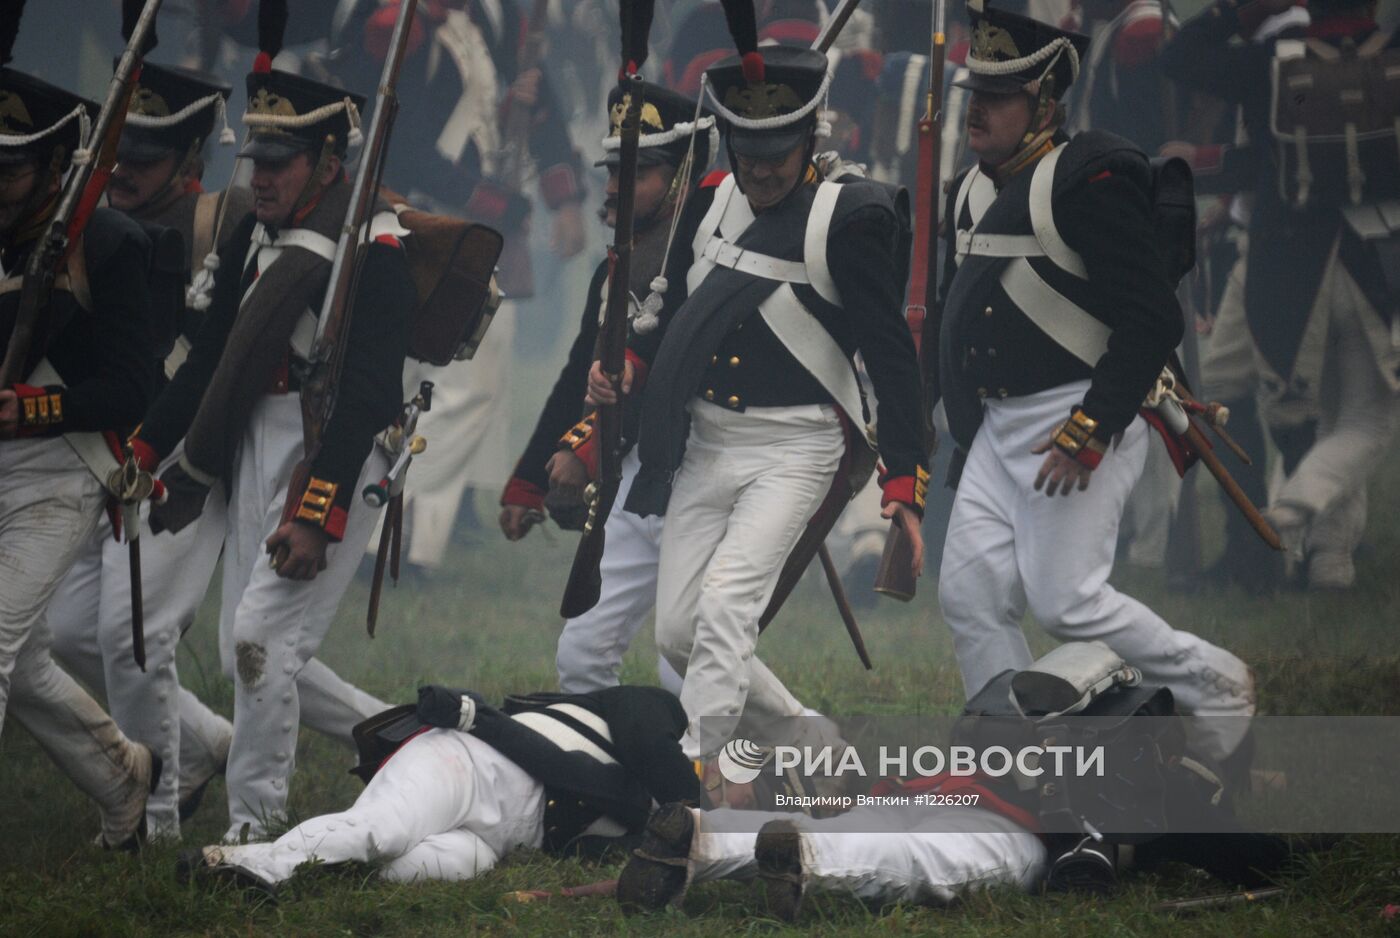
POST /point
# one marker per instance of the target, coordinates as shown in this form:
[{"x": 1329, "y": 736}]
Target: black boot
[
  {"x": 778, "y": 852},
  {"x": 656, "y": 875}
]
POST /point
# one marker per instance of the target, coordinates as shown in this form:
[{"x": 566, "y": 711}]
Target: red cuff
[
  {"x": 588, "y": 452},
  {"x": 908, "y": 490},
  {"x": 335, "y": 523},
  {"x": 639, "y": 371},
  {"x": 40, "y": 410},
  {"x": 1088, "y": 457},
  {"x": 558, "y": 185},
  {"x": 146, "y": 456},
  {"x": 580, "y": 440},
  {"x": 522, "y": 493},
  {"x": 320, "y": 508}
]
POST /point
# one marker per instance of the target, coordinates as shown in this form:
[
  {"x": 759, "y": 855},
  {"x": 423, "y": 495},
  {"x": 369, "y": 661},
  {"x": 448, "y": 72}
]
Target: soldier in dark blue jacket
[
  {"x": 86, "y": 377},
  {"x": 1058, "y": 320},
  {"x": 454, "y": 784}
]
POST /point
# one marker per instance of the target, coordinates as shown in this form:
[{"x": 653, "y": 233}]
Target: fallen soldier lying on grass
[
  {"x": 454, "y": 784},
  {"x": 935, "y": 838}
]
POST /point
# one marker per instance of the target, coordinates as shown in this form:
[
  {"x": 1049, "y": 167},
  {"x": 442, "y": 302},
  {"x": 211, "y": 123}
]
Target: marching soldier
[
  {"x": 1229, "y": 359},
  {"x": 157, "y": 182},
  {"x": 750, "y": 410},
  {"x": 1320, "y": 296},
  {"x": 236, "y": 404},
  {"x": 455, "y": 784},
  {"x": 669, "y": 165},
  {"x": 457, "y": 154},
  {"x": 1058, "y": 318},
  {"x": 88, "y": 371}
]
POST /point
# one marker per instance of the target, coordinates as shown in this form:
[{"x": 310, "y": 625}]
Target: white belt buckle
[
  {"x": 728, "y": 254},
  {"x": 964, "y": 243}
]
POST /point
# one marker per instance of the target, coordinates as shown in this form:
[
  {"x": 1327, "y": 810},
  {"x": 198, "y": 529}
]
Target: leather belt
[{"x": 726, "y": 254}]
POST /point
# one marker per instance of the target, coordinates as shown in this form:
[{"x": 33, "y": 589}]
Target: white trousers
[
  {"x": 466, "y": 433},
  {"x": 445, "y": 806},
  {"x": 1358, "y": 420},
  {"x": 875, "y": 855},
  {"x": 860, "y": 532},
  {"x": 591, "y": 646},
  {"x": 90, "y": 617},
  {"x": 1011, "y": 548},
  {"x": 1229, "y": 358},
  {"x": 49, "y": 505},
  {"x": 748, "y": 484},
  {"x": 270, "y": 627}
]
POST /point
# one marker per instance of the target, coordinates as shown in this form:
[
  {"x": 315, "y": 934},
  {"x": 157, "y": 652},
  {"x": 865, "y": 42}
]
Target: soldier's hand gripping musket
[
  {"x": 585, "y": 583},
  {"x": 83, "y": 189},
  {"x": 80, "y": 196},
  {"x": 318, "y": 393}
]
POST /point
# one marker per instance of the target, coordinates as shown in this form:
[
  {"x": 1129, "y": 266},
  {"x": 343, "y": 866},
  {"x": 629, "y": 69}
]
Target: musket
[
  {"x": 389, "y": 491},
  {"x": 1204, "y": 903},
  {"x": 585, "y": 582},
  {"x": 603, "y": 889},
  {"x": 896, "y": 576},
  {"x": 320, "y": 388},
  {"x": 833, "y": 26},
  {"x": 84, "y": 187}
]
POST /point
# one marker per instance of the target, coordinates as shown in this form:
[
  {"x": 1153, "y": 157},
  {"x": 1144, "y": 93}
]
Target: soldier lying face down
[{"x": 454, "y": 784}]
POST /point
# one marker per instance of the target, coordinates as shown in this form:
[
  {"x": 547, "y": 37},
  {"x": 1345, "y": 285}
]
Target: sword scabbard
[{"x": 1256, "y": 519}]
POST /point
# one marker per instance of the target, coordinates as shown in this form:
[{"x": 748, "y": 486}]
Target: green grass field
[{"x": 490, "y": 623}]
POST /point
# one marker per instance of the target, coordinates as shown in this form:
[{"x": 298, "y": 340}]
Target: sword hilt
[{"x": 379, "y": 493}]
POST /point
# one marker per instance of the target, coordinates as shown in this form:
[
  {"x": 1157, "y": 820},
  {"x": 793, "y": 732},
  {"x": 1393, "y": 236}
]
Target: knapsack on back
[
  {"x": 1146, "y": 764},
  {"x": 452, "y": 263},
  {"x": 1174, "y": 215},
  {"x": 1334, "y": 117}
]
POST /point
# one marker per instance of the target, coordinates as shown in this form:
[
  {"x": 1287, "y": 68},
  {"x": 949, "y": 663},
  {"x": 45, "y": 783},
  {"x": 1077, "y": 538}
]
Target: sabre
[
  {"x": 130, "y": 485},
  {"x": 389, "y": 490},
  {"x": 843, "y": 605},
  {"x": 1173, "y": 412},
  {"x": 1256, "y": 519}
]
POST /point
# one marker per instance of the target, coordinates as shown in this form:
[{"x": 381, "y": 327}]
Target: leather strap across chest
[
  {"x": 783, "y": 312},
  {"x": 1067, "y": 323}
]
